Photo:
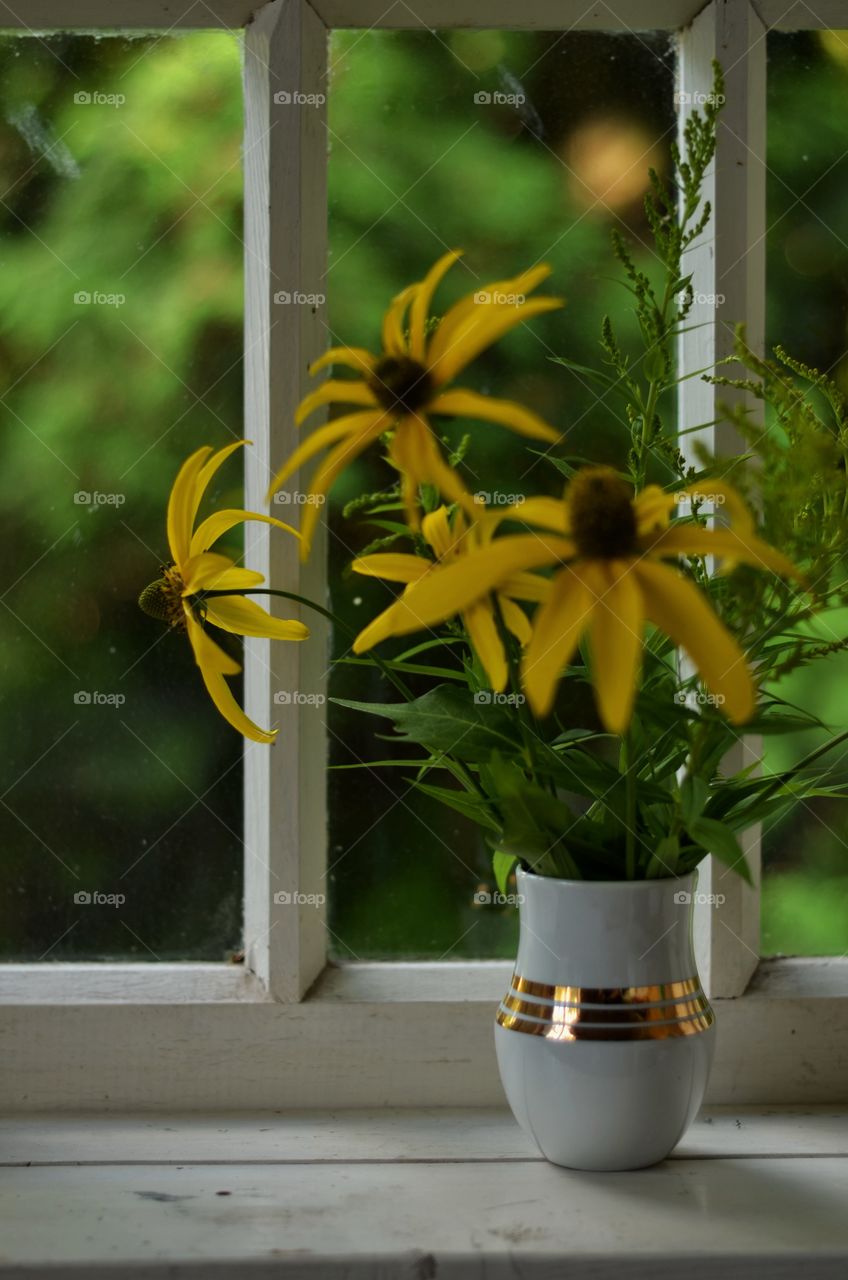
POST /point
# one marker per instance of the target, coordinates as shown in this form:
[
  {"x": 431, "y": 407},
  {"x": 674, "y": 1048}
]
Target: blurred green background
[{"x": 139, "y": 201}]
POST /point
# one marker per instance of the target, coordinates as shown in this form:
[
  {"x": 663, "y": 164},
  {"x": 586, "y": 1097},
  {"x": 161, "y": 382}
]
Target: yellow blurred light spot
[
  {"x": 835, "y": 44},
  {"x": 608, "y": 159},
  {"x": 478, "y": 50}
]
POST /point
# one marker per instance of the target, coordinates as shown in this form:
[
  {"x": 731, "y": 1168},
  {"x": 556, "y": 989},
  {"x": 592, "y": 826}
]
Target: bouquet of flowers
[{"x": 652, "y": 581}]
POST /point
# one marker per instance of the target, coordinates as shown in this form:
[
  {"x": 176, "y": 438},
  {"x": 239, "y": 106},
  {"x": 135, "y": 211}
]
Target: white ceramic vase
[{"x": 605, "y": 1038}]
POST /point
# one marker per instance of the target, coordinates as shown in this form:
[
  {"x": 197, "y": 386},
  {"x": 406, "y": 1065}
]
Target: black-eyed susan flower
[
  {"x": 611, "y": 546},
  {"x": 450, "y": 541},
  {"x": 401, "y": 387},
  {"x": 180, "y": 597}
]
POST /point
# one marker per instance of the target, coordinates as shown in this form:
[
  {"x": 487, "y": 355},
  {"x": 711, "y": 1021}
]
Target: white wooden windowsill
[
  {"x": 79, "y": 1037},
  {"x": 749, "y": 1193}
]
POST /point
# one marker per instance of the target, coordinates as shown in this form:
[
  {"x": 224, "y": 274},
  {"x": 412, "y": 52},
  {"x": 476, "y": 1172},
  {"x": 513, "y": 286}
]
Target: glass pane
[
  {"x": 518, "y": 147},
  {"x": 805, "y": 879},
  {"x": 121, "y": 332}
]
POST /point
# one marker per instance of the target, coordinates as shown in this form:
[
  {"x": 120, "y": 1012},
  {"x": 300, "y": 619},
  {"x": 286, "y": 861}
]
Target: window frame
[{"x": 286, "y": 1029}]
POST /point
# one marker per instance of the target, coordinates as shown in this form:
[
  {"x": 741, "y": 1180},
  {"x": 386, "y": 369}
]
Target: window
[
  {"x": 283, "y": 1029},
  {"x": 122, "y": 338}
]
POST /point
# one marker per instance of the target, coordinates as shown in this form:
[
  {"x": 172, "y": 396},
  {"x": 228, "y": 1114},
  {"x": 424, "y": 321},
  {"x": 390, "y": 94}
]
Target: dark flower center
[
  {"x": 162, "y": 599},
  {"x": 603, "y": 522},
  {"x": 400, "y": 384}
]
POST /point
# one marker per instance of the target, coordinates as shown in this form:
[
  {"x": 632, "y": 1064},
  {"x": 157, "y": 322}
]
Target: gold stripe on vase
[{"x": 658, "y": 1012}]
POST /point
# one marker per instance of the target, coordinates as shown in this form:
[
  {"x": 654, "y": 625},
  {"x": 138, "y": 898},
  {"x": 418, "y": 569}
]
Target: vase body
[{"x": 605, "y": 1038}]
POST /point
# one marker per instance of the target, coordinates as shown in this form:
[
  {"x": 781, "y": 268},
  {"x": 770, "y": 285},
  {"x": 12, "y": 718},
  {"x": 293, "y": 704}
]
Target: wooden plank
[
  {"x": 803, "y": 15},
  {"x": 435, "y": 1219},
  {"x": 728, "y": 276},
  {"x": 439, "y": 1051},
  {"x": 123, "y": 15},
  {"x": 543, "y": 15},
  {"x": 435, "y": 1135},
  {"x": 285, "y": 161}
]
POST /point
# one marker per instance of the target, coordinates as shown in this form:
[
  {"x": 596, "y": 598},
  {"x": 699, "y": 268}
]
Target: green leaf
[
  {"x": 464, "y": 802},
  {"x": 663, "y": 861},
  {"x": 502, "y": 864},
  {"x": 449, "y": 721},
  {"x": 719, "y": 840},
  {"x": 694, "y": 794}
]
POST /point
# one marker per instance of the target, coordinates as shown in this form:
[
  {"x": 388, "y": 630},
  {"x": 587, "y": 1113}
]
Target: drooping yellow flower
[
  {"x": 610, "y": 546},
  {"x": 450, "y": 542},
  {"x": 398, "y": 389},
  {"x": 179, "y": 596}
]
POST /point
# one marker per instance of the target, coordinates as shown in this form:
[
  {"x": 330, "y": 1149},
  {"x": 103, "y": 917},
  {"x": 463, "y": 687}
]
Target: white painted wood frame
[
  {"x": 728, "y": 276},
  {"x": 268, "y": 1034}
]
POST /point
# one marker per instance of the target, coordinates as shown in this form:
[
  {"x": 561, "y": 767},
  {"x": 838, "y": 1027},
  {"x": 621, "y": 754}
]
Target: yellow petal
[
  {"x": 335, "y": 462},
  {"x": 615, "y": 638},
  {"x": 349, "y": 425},
  {"x": 477, "y": 332},
  {"x": 557, "y": 629},
  {"x": 215, "y": 526},
  {"x": 392, "y": 566},
  {"x": 652, "y": 508},
  {"x": 482, "y": 629},
  {"x": 515, "y": 619},
  {"x": 414, "y": 452},
  {"x": 379, "y": 629},
  {"x": 335, "y": 391},
  {"x": 212, "y": 572},
  {"x": 181, "y": 506},
  {"x": 692, "y": 539},
  {"x": 246, "y": 618},
  {"x": 523, "y": 284},
  {"x": 679, "y": 609},
  {"x": 209, "y": 469},
  {"x": 351, "y": 357},
  {"x": 394, "y": 343},
  {"x": 547, "y": 513},
  {"x": 421, "y": 303},
  {"x": 470, "y": 404},
  {"x": 527, "y": 586},
  {"x": 214, "y": 664},
  {"x": 449, "y": 589},
  {"x": 436, "y": 528},
  {"x": 724, "y": 498}
]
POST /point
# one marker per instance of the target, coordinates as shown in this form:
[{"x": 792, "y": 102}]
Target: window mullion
[
  {"x": 285, "y": 160},
  {"x": 728, "y": 276}
]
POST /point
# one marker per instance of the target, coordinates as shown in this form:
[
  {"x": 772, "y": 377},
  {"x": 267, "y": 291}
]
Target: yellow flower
[
  {"x": 450, "y": 544},
  {"x": 398, "y": 389},
  {"x": 610, "y": 546},
  {"x": 179, "y": 596}
]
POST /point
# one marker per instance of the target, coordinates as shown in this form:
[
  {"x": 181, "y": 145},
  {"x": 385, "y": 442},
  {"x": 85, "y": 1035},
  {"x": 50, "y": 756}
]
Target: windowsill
[
  {"x": 759, "y": 1193},
  {"x": 201, "y": 1037}
]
